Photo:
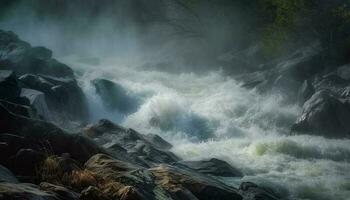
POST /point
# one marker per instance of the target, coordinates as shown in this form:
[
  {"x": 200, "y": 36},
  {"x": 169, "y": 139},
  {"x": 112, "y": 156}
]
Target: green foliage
[{"x": 283, "y": 17}]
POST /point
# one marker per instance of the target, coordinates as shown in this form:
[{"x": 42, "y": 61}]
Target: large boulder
[
  {"x": 26, "y": 191},
  {"x": 131, "y": 146},
  {"x": 9, "y": 87},
  {"x": 41, "y": 135},
  {"x": 115, "y": 97},
  {"x": 20, "y": 57},
  {"x": 325, "y": 114},
  {"x": 159, "y": 182},
  {"x": 38, "y": 102},
  {"x": 213, "y": 166},
  {"x": 64, "y": 98}
]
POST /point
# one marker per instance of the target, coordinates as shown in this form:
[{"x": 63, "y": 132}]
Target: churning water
[{"x": 206, "y": 116}]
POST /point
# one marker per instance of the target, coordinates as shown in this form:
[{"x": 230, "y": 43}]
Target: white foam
[{"x": 212, "y": 116}]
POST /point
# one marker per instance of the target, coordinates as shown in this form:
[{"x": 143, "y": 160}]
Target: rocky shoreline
[{"x": 48, "y": 151}]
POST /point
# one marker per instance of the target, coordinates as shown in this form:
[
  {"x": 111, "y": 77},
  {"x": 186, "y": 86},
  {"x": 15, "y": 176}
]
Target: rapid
[{"x": 211, "y": 116}]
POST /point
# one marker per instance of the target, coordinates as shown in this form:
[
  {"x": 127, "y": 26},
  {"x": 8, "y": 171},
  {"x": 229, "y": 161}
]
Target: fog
[{"x": 165, "y": 55}]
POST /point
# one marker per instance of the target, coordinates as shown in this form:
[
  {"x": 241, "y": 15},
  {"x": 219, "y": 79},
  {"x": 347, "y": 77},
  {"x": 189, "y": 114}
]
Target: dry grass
[
  {"x": 78, "y": 180},
  {"x": 50, "y": 170}
]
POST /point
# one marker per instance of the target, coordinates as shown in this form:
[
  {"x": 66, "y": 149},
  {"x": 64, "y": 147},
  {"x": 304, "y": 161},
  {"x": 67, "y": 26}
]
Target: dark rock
[
  {"x": 59, "y": 191},
  {"x": 159, "y": 182},
  {"x": 344, "y": 72},
  {"x": 92, "y": 193},
  {"x": 18, "y": 109},
  {"x": 26, "y": 161},
  {"x": 10, "y": 145},
  {"x": 131, "y": 146},
  {"x": 251, "y": 191},
  {"x": 20, "y": 57},
  {"x": 24, "y": 191},
  {"x": 65, "y": 99},
  {"x": 305, "y": 92},
  {"x": 115, "y": 97},
  {"x": 37, "y": 101},
  {"x": 213, "y": 166},
  {"x": 7, "y": 176},
  {"x": 9, "y": 88},
  {"x": 325, "y": 114},
  {"x": 39, "y": 133}
]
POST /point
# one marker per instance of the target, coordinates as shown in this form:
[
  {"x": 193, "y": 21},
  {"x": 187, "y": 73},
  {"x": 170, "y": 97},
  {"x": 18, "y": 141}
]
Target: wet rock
[
  {"x": 325, "y": 114},
  {"x": 10, "y": 145},
  {"x": 24, "y": 191},
  {"x": 213, "y": 166},
  {"x": 305, "y": 92},
  {"x": 145, "y": 150},
  {"x": 9, "y": 87},
  {"x": 7, "y": 176},
  {"x": 251, "y": 191},
  {"x": 115, "y": 97},
  {"x": 19, "y": 109},
  {"x": 20, "y": 57},
  {"x": 39, "y": 133},
  {"x": 26, "y": 162},
  {"x": 37, "y": 100},
  {"x": 159, "y": 182},
  {"x": 92, "y": 193},
  {"x": 59, "y": 191},
  {"x": 64, "y": 98},
  {"x": 184, "y": 184}
]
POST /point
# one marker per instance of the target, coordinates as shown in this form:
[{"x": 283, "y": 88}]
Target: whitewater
[{"x": 211, "y": 116}]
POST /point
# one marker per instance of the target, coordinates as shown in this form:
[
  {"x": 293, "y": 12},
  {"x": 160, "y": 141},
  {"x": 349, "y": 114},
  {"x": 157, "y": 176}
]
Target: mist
[{"x": 262, "y": 86}]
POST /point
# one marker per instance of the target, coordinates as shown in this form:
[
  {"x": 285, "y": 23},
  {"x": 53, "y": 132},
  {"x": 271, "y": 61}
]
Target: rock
[
  {"x": 115, "y": 97},
  {"x": 325, "y": 114},
  {"x": 20, "y": 57},
  {"x": 159, "y": 182},
  {"x": 7, "y": 176},
  {"x": 186, "y": 185},
  {"x": 39, "y": 134},
  {"x": 59, "y": 191},
  {"x": 24, "y": 191},
  {"x": 10, "y": 145},
  {"x": 92, "y": 193},
  {"x": 9, "y": 88},
  {"x": 26, "y": 161},
  {"x": 18, "y": 109},
  {"x": 64, "y": 98},
  {"x": 306, "y": 90},
  {"x": 251, "y": 191},
  {"x": 213, "y": 166},
  {"x": 37, "y": 100},
  {"x": 131, "y": 146},
  {"x": 344, "y": 72}
]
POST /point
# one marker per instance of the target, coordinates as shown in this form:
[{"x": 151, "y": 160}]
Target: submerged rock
[{"x": 115, "y": 97}]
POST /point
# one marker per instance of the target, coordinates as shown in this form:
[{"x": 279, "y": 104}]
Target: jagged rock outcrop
[
  {"x": 327, "y": 110},
  {"x": 40, "y": 135},
  {"x": 159, "y": 182},
  {"x": 21, "y": 57},
  {"x": 131, "y": 146},
  {"x": 54, "y": 94}
]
